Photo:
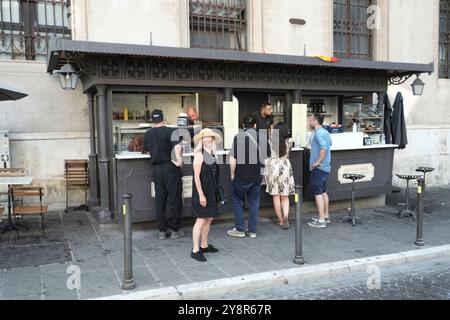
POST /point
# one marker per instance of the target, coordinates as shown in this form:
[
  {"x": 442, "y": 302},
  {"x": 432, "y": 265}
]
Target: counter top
[
  {"x": 138, "y": 155},
  {"x": 132, "y": 155},
  {"x": 375, "y": 146}
]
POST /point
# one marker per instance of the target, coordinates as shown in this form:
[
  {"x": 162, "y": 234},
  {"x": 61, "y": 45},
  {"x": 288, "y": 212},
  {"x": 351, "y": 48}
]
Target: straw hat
[{"x": 207, "y": 133}]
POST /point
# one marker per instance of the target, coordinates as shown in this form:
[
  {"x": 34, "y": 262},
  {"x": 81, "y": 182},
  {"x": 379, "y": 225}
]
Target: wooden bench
[
  {"x": 32, "y": 209},
  {"x": 76, "y": 174}
]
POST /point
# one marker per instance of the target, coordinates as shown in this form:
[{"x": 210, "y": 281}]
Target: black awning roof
[{"x": 59, "y": 46}]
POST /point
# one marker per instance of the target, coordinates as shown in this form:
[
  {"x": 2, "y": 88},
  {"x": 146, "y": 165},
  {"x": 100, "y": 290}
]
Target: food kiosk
[{"x": 124, "y": 82}]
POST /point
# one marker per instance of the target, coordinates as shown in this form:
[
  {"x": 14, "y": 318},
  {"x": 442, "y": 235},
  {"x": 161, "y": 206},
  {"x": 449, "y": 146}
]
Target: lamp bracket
[{"x": 398, "y": 80}]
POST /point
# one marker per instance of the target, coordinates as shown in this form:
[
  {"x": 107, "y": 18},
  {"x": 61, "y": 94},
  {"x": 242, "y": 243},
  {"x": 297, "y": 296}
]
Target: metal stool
[
  {"x": 407, "y": 212},
  {"x": 425, "y": 170},
  {"x": 351, "y": 217}
]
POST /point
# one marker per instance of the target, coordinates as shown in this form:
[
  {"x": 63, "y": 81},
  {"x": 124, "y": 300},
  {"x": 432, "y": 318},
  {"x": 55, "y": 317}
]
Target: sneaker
[
  {"x": 176, "y": 234},
  {"x": 209, "y": 249},
  {"x": 162, "y": 235},
  {"x": 250, "y": 234},
  {"x": 327, "y": 220},
  {"x": 198, "y": 256},
  {"x": 317, "y": 224},
  {"x": 235, "y": 233}
]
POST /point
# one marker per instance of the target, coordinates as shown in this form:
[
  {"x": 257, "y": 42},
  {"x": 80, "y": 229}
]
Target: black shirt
[
  {"x": 158, "y": 142},
  {"x": 247, "y": 154},
  {"x": 262, "y": 123}
]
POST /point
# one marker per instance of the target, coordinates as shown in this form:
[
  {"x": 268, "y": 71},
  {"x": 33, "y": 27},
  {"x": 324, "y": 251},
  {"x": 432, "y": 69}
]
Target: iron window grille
[
  {"x": 444, "y": 39},
  {"x": 218, "y": 24},
  {"x": 352, "y": 36},
  {"x": 27, "y": 25}
]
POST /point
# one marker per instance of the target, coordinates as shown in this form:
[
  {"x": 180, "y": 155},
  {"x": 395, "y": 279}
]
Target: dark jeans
[
  {"x": 253, "y": 192},
  {"x": 168, "y": 185}
]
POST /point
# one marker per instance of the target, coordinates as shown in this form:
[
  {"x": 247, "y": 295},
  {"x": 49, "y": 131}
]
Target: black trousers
[{"x": 168, "y": 186}]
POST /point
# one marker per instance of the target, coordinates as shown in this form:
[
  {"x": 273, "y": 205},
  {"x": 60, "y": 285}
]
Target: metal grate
[
  {"x": 218, "y": 24},
  {"x": 444, "y": 39},
  {"x": 352, "y": 37},
  {"x": 27, "y": 25},
  {"x": 34, "y": 255}
]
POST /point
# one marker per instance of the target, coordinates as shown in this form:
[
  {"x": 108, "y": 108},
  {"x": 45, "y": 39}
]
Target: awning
[
  {"x": 9, "y": 93},
  {"x": 58, "y": 48}
]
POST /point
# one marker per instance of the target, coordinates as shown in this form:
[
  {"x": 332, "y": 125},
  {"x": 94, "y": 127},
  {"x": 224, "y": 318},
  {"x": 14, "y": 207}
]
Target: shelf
[{"x": 325, "y": 114}]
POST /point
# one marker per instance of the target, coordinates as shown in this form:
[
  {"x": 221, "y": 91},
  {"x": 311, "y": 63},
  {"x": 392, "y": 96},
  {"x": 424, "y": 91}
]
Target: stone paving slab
[{"x": 97, "y": 250}]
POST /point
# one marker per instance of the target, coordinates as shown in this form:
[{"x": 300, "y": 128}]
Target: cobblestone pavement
[
  {"x": 429, "y": 280},
  {"x": 90, "y": 256}
]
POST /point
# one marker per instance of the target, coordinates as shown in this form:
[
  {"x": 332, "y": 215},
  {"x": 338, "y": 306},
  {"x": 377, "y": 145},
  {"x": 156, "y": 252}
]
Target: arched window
[
  {"x": 352, "y": 37},
  {"x": 444, "y": 39},
  {"x": 218, "y": 24},
  {"x": 27, "y": 25}
]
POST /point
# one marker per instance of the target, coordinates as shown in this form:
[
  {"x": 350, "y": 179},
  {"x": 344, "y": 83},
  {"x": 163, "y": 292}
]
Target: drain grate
[{"x": 34, "y": 255}]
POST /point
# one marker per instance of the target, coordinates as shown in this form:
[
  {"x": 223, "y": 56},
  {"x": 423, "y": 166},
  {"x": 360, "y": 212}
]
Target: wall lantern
[
  {"x": 417, "y": 86},
  {"x": 68, "y": 77}
]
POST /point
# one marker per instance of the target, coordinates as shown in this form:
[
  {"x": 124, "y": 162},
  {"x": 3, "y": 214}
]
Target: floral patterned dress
[{"x": 280, "y": 177}]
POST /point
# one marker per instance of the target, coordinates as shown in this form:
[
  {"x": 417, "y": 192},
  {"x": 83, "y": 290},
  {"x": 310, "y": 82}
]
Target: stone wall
[{"x": 47, "y": 127}]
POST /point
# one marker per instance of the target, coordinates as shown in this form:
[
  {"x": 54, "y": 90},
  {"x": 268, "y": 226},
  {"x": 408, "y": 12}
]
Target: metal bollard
[
  {"x": 298, "y": 259},
  {"x": 420, "y": 212},
  {"x": 128, "y": 280}
]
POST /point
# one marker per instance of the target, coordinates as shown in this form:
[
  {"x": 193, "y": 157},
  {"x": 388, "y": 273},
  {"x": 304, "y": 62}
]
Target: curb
[{"x": 270, "y": 279}]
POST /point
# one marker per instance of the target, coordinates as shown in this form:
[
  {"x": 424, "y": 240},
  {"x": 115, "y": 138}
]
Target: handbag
[{"x": 220, "y": 193}]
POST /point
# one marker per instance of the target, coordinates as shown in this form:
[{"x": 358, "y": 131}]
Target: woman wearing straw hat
[{"x": 204, "y": 200}]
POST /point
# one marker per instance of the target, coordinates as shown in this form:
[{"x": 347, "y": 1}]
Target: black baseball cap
[{"x": 157, "y": 116}]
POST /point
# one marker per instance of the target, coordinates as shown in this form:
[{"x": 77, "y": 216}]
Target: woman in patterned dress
[{"x": 279, "y": 176}]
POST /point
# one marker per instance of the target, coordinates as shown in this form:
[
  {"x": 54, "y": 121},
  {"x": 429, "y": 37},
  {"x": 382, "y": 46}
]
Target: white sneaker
[
  {"x": 235, "y": 233},
  {"x": 317, "y": 224},
  {"x": 327, "y": 220}
]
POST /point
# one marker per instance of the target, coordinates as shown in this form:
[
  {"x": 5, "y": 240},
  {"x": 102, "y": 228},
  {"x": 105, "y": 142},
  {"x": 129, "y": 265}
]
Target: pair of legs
[
  {"x": 200, "y": 233},
  {"x": 318, "y": 182},
  {"x": 281, "y": 206},
  {"x": 253, "y": 192},
  {"x": 322, "y": 203},
  {"x": 168, "y": 186}
]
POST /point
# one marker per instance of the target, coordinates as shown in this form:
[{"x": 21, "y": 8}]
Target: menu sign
[
  {"x": 230, "y": 122},
  {"x": 366, "y": 169},
  {"x": 187, "y": 187},
  {"x": 300, "y": 124}
]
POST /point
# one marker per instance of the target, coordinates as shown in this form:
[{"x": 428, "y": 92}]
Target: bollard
[
  {"x": 298, "y": 259},
  {"x": 128, "y": 280},
  {"x": 420, "y": 212}
]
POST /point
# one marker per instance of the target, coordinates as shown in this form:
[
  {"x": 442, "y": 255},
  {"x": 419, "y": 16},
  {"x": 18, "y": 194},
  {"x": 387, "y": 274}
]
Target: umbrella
[
  {"x": 387, "y": 119},
  {"x": 8, "y": 93},
  {"x": 399, "y": 135}
]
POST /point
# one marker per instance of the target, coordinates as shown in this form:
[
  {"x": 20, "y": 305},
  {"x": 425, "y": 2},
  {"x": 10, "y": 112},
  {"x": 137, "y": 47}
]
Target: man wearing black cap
[{"x": 167, "y": 175}]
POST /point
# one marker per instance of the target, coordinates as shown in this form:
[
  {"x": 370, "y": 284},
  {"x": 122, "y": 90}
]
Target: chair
[
  {"x": 407, "y": 212},
  {"x": 76, "y": 173},
  {"x": 352, "y": 217},
  {"x": 29, "y": 210}
]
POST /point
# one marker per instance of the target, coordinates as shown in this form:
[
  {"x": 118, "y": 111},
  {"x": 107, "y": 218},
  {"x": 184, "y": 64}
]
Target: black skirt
[{"x": 208, "y": 186}]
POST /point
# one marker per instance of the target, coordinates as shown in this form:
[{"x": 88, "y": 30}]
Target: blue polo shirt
[{"x": 321, "y": 140}]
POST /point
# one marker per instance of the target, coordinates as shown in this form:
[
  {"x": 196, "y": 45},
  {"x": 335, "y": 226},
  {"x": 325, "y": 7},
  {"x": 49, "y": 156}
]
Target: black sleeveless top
[{"x": 209, "y": 188}]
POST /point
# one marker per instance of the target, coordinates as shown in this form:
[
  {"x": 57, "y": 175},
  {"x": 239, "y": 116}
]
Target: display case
[
  {"x": 129, "y": 137},
  {"x": 369, "y": 119}
]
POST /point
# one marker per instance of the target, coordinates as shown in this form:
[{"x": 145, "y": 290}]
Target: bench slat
[{"x": 30, "y": 210}]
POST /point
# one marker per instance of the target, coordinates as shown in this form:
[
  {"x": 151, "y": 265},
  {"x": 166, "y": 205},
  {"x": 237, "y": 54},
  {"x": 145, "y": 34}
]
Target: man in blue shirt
[{"x": 320, "y": 168}]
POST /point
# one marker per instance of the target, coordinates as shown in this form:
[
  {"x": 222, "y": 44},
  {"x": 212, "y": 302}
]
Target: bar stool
[
  {"x": 351, "y": 217},
  {"x": 425, "y": 170},
  {"x": 407, "y": 212}
]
